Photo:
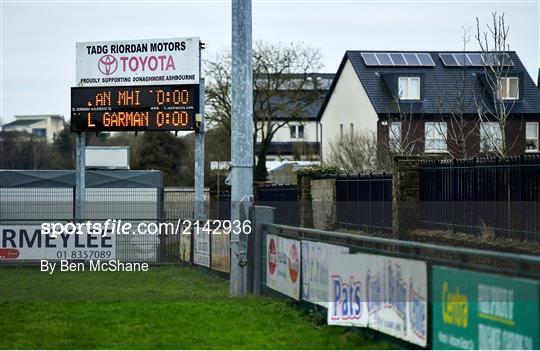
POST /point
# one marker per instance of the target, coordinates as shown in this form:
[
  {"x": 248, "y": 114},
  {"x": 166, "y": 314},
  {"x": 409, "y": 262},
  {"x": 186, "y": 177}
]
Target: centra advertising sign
[
  {"x": 484, "y": 311},
  {"x": 138, "y": 62}
]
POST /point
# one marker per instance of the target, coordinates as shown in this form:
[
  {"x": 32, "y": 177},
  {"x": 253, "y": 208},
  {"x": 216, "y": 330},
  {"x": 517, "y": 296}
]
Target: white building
[
  {"x": 45, "y": 126},
  {"x": 299, "y": 137}
]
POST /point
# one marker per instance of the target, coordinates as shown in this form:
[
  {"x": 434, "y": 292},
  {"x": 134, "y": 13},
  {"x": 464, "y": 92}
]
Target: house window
[
  {"x": 394, "y": 136},
  {"x": 435, "y": 133},
  {"x": 40, "y": 132},
  {"x": 297, "y": 131},
  {"x": 490, "y": 136},
  {"x": 409, "y": 88},
  {"x": 509, "y": 88},
  {"x": 531, "y": 136}
]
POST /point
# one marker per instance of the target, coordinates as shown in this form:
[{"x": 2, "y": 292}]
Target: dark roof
[
  {"x": 439, "y": 92},
  {"x": 22, "y": 122},
  {"x": 296, "y": 109},
  {"x": 288, "y": 148},
  {"x": 296, "y": 105}
]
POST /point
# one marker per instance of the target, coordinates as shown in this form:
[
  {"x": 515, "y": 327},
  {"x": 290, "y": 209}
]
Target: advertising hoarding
[
  {"x": 201, "y": 247},
  {"x": 138, "y": 62},
  {"x": 315, "y": 270},
  {"x": 283, "y": 265},
  {"x": 387, "y": 294},
  {"x": 27, "y": 242},
  {"x": 473, "y": 310}
]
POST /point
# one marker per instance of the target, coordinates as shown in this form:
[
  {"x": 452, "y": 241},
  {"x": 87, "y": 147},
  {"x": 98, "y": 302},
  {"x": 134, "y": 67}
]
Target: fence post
[
  {"x": 306, "y": 209},
  {"x": 259, "y": 215},
  {"x": 406, "y": 196}
]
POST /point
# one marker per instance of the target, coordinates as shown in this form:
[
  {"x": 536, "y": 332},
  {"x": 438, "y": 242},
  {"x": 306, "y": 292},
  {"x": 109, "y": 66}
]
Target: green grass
[{"x": 164, "y": 308}]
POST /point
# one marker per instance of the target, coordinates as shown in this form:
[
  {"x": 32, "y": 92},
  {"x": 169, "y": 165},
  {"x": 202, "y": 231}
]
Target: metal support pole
[
  {"x": 257, "y": 243},
  {"x": 80, "y": 173},
  {"x": 241, "y": 138},
  {"x": 199, "y": 209}
]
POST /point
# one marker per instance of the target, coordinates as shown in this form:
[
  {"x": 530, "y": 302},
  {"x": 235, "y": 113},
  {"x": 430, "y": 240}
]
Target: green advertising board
[{"x": 474, "y": 310}]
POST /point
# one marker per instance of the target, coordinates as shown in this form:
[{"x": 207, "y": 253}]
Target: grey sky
[{"x": 38, "y": 37}]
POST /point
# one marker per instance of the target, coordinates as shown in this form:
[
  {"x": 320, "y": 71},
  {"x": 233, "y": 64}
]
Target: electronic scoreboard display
[{"x": 134, "y": 108}]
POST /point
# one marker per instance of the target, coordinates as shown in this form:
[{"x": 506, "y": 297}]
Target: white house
[
  {"x": 299, "y": 138},
  {"x": 45, "y": 126}
]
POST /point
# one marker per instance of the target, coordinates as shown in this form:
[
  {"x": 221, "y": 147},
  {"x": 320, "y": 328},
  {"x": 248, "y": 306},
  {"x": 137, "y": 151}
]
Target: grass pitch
[{"x": 164, "y": 308}]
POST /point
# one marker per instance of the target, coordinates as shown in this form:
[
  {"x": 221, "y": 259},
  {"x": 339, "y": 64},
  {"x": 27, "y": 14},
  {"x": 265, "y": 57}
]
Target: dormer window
[
  {"x": 409, "y": 88},
  {"x": 509, "y": 88}
]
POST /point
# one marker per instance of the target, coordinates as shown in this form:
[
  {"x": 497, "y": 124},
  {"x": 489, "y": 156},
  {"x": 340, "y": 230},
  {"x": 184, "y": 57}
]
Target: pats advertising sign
[
  {"x": 474, "y": 310},
  {"x": 383, "y": 293},
  {"x": 138, "y": 62},
  {"x": 315, "y": 270},
  {"x": 29, "y": 243},
  {"x": 283, "y": 268}
]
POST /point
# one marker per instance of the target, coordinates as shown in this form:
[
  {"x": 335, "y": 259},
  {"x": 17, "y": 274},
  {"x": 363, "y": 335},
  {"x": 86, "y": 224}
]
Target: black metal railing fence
[{"x": 497, "y": 197}]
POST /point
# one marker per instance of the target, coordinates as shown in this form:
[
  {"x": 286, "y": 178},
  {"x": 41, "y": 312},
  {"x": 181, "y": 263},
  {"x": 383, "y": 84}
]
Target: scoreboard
[{"x": 134, "y": 108}]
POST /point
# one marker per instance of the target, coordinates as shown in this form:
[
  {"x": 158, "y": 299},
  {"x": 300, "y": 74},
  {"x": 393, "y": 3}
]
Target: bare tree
[
  {"x": 453, "y": 108},
  {"x": 402, "y": 133},
  {"x": 492, "y": 106},
  {"x": 355, "y": 152},
  {"x": 283, "y": 88}
]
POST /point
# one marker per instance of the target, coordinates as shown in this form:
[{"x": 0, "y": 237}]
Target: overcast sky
[{"x": 38, "y": 37}]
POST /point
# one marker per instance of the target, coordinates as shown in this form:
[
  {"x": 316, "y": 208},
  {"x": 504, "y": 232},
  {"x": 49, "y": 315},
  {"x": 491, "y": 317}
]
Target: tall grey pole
[
  {"x": 80, "y": 175},
  {"x": 241, "y": 137},
  {"x": 200, "y": 212}
]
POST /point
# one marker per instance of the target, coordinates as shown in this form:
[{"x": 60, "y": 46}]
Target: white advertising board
[
  {"x": 138, "y": 62},
  {"x": 201, "y": 247},
  {"x": 383, "y": 293},
  {"x": 315, "y": 270},
  {"x": 26, "y": 242},
  {"x": 283, "y": 265}
]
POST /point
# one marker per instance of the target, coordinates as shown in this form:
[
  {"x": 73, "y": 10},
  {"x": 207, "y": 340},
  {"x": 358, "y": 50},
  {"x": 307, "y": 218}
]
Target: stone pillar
[
  {"x": 306, "y": 209},
  {"x": 405, "y": 196},
  {"x": 323, "y": 195}
]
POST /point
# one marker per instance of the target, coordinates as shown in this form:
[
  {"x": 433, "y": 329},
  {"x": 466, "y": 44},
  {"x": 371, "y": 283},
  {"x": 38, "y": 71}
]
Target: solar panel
[
  {"x": 425, "y": 59},
  {"x": 384, "y": 59},
  {"x": 460, "y": 59},
  {"x": 475, "y": 59},
  {"x": 370, "y": 59},
  {"x": 411, "y": 59},
  {"x": 397, "y": 59},
  {"x": 448, "y": 59}
]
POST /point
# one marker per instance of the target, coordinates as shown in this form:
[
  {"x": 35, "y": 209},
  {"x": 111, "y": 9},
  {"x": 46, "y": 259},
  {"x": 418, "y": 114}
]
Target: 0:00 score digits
[{"x": 177, "y": 97}]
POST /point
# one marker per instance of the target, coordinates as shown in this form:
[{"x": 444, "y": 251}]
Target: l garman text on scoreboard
[{"x": 134, "y": 108}]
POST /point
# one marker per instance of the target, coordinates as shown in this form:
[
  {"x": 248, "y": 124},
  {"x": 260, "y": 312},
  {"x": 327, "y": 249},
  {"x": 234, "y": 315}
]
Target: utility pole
[
  {"x": 199, "y": 149},
  {"x": 241, "y": 176},
  {"x": 80, "y": 176}
]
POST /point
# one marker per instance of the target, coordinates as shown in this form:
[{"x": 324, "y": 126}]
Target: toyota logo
[{"x": 107, "y": 64}]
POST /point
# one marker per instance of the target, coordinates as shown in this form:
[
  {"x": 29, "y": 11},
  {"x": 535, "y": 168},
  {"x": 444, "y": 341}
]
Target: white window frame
[
  {"x": 394, "y": 137},
  {"x": 407, "y": 82},
  {"x": 532, "y": 138},
  {"x": 294, "y": 130},
  {"x": 440, "y": 130},
  {"x": 505, "y": 81},
  {"x": 490, "y": 143}
]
